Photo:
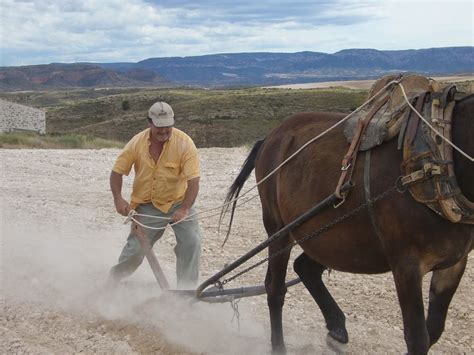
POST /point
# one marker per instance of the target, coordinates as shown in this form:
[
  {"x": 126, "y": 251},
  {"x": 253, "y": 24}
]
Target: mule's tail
[{"x": 238, "y": 184}]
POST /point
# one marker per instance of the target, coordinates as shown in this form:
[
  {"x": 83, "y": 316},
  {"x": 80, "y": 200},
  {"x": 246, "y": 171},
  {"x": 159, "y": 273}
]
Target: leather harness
[
  {"x": 427, "y": 165},
  {"x": 348, "y": 163}
]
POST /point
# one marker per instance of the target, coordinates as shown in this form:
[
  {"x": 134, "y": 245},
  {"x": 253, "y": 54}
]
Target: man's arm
[
  {"x": 121, "y": 205},
  {"x": 189, "y": 198}
]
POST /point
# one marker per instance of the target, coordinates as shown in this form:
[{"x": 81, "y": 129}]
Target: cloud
[{"x": 46, "y": 31}]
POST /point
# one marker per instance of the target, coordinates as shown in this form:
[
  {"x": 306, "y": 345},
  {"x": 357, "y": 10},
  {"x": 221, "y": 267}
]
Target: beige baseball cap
[{"x": 161, "y": 114}]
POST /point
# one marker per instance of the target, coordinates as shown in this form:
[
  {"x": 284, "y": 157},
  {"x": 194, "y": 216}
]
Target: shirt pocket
[{"x": 171, "y": 171}]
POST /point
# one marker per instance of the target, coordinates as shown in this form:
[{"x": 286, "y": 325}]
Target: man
[{"x": 166, "y": 184}]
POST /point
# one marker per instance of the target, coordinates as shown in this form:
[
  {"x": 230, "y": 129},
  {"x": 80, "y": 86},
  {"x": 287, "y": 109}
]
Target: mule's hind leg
[
  {"x": 443, "y": 286},
  {"x": 408, "y": 277},
  {"x": 310, "y": 273},
  {"x": 276, "y": 291}
]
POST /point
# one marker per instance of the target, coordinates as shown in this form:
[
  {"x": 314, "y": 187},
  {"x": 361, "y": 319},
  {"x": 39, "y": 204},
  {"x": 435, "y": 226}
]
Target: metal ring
[
  {"x": 400, "y": 187},
  {"x": 336, "y": 205}
]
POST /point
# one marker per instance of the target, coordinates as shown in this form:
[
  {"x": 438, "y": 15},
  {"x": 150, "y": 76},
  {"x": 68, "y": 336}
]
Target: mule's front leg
[
  {"x": 444, "y": 284},
  {"x": 408, "y": 279},
  {"x": 276, "y": 290}
]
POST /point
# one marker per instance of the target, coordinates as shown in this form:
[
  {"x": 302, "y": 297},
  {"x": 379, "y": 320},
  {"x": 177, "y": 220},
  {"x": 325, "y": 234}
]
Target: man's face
[{"x": 161, "y": 134}]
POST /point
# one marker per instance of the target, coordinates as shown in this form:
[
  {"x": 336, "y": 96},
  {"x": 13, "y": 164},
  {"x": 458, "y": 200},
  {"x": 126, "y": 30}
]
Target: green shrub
[{"x": 125, "y": 105}]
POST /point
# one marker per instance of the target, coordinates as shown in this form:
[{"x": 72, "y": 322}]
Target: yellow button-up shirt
[{"x": 163, "y": 183}]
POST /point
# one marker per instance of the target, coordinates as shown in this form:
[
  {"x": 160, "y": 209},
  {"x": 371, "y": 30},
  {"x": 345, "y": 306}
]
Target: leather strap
[
  {"x": 368, "y": 198},
  {"x": 348, "y": 163},
  {"x": 447, "y": 96},
  {"x": 414, "y": 120}
]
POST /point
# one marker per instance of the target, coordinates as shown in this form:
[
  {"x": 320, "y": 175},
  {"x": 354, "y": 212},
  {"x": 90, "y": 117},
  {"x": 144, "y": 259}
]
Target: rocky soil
[{"x": 60, "y": 234}]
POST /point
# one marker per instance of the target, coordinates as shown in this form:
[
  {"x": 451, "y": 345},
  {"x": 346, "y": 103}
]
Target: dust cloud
[
  {"x": 60, "y": 234},
  {"x": 59, "y": 237},
  {"x": 65, "y": 268}
]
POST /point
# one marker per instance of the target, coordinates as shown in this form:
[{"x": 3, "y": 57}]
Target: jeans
[{"x": 187, "y": 249}]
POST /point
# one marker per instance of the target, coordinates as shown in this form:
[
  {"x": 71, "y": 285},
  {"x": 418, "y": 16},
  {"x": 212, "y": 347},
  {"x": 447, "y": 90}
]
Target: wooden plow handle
[{"x": 150, "y": 256}]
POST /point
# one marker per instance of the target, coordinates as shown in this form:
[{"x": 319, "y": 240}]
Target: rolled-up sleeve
[
  {"x": 190, "y": 162},
  {"x": 125, "y": 160}
]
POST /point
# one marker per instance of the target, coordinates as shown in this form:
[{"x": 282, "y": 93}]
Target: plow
[
  {"x": 410, "y": 242},
  {"x": 212, "y": 290}
]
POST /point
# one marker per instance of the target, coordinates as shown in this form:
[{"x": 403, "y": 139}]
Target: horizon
[
  {"x": 232, "y": 53},
  {"x": 54, "y": 31}
]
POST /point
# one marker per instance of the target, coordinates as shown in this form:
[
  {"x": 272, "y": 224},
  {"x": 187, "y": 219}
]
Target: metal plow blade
[{"x": 220, "y": 295}]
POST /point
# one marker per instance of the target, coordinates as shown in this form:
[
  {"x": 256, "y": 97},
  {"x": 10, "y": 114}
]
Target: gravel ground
[{"x": 60, "y": 234}]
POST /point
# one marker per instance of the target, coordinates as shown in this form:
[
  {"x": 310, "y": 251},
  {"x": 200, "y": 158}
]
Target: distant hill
[
  {"x": 77, "y": 75},
  {"x": 241, "y": 69}
]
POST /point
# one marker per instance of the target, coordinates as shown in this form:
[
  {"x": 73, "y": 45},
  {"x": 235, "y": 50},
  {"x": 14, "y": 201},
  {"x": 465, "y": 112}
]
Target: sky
[{"x": 104, "y": 31}]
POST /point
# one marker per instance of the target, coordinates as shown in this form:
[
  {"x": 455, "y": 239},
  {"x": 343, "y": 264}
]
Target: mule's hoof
[
  {"x": 277, "y": 350},
  {"x": 336, "y": 345},
  {"x": 340, "y": 335}
]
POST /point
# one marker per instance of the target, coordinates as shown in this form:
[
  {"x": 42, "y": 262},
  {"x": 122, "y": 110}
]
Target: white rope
[
  {"x": 148, "y": 227},
  {"x": 317, "y": 137},
  {"x": 189, "y": 218},
  {"x": 279, "y": 166},
  {"x": 431, "y": 127},
  {"x": 132, "y": 214},
  {"x": 396, "y": 82},
  {"x": 150, "y": 216}
]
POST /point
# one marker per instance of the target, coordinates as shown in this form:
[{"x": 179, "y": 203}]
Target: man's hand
[
  {"x": 189, "y": 197},
  {"x": 122, "y": 206},
  {"x": 181, "y": 213}
]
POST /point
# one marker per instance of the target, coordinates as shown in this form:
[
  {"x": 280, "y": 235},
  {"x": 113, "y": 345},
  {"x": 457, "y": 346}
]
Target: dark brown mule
[{"x": 413, "y": 240}]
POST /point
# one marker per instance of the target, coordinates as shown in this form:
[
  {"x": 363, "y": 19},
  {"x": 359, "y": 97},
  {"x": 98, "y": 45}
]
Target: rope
[
  {"x": 283, "y": 163},
  {"x": 234, "y": 303},
  {"x": 149, "y": 216},
  {"x": 132, "y": 214},
  {"x": 316, "y": 138},
  {"x": 192, "y": 216}
]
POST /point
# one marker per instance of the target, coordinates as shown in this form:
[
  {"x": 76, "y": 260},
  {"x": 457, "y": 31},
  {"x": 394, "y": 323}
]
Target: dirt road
[{"x": 60, "y": 234}]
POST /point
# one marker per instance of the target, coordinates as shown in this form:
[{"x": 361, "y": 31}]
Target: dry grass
[
  {"x": 213, "y": 118},
  {"x": 32, "y": 140}
]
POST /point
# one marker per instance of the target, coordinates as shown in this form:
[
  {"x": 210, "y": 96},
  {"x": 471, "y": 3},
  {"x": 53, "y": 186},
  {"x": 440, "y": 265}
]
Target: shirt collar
[{"x": 148, "y": 136}]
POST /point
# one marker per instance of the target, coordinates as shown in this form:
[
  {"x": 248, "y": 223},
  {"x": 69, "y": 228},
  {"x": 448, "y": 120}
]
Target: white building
[{"x": 16, "y": 117}]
